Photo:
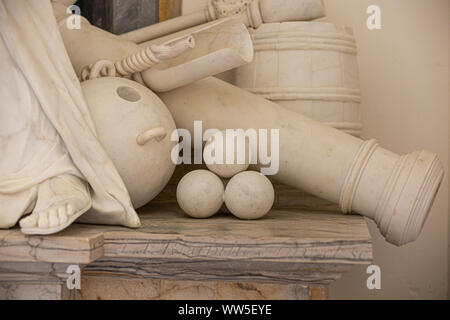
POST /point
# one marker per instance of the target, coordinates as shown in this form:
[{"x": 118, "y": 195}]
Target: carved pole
[
  {"x": 152, "y": 55},
  {"x": 252, "y": 12},
  {"x": 140, "y": 61},
  {"x": 213, "y": 49}
]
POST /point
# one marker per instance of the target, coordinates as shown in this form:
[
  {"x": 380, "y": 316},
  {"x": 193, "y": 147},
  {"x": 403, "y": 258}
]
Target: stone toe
[
  {"x": 62, "y": 215},
  {"x": 70, "y": 209},
  {"x": 53, "y": 218},
  {"x": 43, "y": 222},
  {"x": 29, "y": 222}
]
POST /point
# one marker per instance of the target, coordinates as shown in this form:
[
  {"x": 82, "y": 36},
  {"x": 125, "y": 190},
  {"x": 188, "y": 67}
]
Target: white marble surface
[
  {"x": 308, "y": 67},
  {"x": 47, "y": 134},
  {"x": 396, "y": 191},
  {"x": 250, "y": 12},
  {"x": 289, "y": 254},
  {"x": 167, "y": 233},
  {"x": 136, "y": 130}
]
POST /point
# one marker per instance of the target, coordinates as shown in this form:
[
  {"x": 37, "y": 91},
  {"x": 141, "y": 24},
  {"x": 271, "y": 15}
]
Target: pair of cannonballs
[{"x": 247, "y": 195}]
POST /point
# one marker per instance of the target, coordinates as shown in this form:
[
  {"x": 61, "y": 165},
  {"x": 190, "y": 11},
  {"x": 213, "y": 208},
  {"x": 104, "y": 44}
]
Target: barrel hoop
[
  {"x": 354, "y": 174},
  {"x": 296, "y": 34},
  {"x": 304, "y": 41}
]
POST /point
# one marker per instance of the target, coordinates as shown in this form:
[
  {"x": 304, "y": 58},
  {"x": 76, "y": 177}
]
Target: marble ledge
[{"x": 285, "y": 237}]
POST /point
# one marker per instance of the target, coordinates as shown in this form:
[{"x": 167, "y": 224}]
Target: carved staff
[
  {"x": 217, "y": 47},
  {"x": 252, "y": 12},
  {"x": 140, "y": 61}
]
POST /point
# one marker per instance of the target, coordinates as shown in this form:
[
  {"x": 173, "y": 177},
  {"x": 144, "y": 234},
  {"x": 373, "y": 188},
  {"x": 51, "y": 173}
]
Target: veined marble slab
[
  {"x": 283, "y": 235},
  {"x": 290, "y": 235},
  {"x": 74, "y": 245},
  {"x": 157, "y": 289}
]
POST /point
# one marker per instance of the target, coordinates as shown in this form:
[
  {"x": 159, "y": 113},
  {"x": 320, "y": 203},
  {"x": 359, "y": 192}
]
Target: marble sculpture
[{"x": 96, "y": 150}]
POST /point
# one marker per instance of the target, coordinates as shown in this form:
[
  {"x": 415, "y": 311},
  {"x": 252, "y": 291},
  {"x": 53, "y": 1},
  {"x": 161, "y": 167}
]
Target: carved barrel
[{"x": 308, "y": 67}]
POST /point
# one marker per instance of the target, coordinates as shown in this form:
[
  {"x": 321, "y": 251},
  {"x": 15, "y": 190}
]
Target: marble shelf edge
[
  {"x": 68, "y": 247},
  {"x": 316, "y": 238}
]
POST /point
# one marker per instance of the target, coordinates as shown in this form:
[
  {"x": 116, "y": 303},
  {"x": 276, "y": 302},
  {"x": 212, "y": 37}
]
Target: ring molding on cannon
[{"x": 395, "y": 191}]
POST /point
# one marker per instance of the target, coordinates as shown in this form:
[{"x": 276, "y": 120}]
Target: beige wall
[
  {"x": 188, "y": 6},
  {"x": 404, "y": 71},
  {"x": 405, "y": 82}
]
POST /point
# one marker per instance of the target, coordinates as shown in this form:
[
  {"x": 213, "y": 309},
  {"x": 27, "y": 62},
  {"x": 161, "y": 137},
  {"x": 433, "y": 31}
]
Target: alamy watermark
[
  {"x": 73, "y": 22},
  {"x": 74, "y": 280},
  {"x": 231, "y": 146},
  {"x": 374, "y": 280},
  {"x": 374, "y": 19}
]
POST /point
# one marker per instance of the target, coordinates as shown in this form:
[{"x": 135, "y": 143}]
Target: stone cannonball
[
  {"x": 134, "y": 127},
  {"x": 249, "y": 195},
  {"x": 217, "y": 162},
  {"x": 200, "y": 194}
]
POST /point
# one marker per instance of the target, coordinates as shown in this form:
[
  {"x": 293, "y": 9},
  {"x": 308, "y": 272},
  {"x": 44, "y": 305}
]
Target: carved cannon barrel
[{"x": 395, "y": 191}]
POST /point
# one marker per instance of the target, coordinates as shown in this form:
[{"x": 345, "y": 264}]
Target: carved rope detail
[
  {"x": 102, "y": 68},
  {"x": 140, "y": 61},
  {"x": 354, "y": 174}
]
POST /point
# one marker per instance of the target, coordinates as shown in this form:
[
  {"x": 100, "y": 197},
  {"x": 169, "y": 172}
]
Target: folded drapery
[{"x": 45, "y": 126}]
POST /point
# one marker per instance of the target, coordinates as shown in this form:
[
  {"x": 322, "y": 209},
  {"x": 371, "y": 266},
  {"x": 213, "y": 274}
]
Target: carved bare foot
[{"x": 61, "y": 200}]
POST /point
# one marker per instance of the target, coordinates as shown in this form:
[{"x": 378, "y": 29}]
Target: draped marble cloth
[{"x": 45, "y": 126}]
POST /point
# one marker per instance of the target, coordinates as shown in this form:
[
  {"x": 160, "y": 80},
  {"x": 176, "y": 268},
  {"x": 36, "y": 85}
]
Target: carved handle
[
  {"x": 154, "y": 54},
  {"x": 157, "y": 133},
  {"x": 101, "y": 68},
  {"x": 173, "y": 48}
]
